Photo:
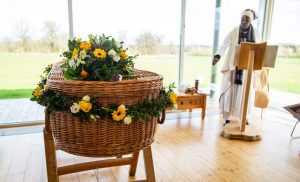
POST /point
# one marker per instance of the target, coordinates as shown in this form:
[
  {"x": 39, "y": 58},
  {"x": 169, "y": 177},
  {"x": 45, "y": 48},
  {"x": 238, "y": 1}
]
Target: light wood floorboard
[{"x": 185, "y": 149}]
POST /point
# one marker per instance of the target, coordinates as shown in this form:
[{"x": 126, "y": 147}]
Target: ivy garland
[{"x": 89, "y": 108}]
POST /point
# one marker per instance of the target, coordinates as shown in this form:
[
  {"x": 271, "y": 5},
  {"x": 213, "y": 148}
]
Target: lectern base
[{"x": 232, "y": 131}]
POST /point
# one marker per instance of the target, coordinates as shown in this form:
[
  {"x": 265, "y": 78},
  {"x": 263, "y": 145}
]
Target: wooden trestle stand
[
  {"x": 249, "y": 56},
  {"x": 53, "y": 171}
]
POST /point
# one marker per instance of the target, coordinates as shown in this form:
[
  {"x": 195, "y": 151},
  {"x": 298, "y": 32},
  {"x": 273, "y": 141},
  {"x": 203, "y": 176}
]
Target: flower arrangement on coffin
[
  {"x": 100, "y": 58},
  {"x": 104, "y": 59}
]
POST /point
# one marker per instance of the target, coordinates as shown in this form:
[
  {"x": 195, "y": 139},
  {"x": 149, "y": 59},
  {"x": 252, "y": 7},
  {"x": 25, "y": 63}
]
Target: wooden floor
[
  {"x": 20, "y": 110},
  {"x": 185, "y": 149}
]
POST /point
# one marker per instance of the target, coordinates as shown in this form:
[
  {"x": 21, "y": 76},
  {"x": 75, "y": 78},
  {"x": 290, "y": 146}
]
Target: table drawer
[{"x": 190, "y": 102}]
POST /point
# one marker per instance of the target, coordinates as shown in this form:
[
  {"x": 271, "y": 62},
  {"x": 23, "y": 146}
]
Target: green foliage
[{"x": 54, "y": 101}]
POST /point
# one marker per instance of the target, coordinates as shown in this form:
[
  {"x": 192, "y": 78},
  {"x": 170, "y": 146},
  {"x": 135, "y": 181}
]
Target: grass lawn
[{"x": 20, "y": 72}]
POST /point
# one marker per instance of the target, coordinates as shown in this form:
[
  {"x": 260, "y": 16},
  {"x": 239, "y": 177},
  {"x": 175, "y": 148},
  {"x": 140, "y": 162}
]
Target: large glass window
[
  {"x": 285, "y": 33},
  {"x": 33, "y": 33},
  {"x": 148, "y": 28},
  {"x": 200, "y": 32},
  {"x": 231, "y": 14},
  {"x": 198, "y": 42}
]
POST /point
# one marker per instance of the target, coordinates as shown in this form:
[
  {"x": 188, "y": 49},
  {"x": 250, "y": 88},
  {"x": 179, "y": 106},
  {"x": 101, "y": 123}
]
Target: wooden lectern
[{"x": 249, "y": 56}]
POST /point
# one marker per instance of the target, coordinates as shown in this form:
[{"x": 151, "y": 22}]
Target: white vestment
[{"x": 231, "y": 95}]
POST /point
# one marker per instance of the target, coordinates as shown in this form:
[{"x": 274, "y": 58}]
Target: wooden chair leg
[
  {"x": 51, "y": 161},
  {"x": 133, "y": 165},
  {"x": 149, "y": 169}
]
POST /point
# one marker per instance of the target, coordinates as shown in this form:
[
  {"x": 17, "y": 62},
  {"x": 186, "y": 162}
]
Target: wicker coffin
[{"x": 105, "y": 137}]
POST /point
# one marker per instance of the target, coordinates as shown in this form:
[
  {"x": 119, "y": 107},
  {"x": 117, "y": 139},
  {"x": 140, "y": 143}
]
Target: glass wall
[
  {"x": 198, "y": 42},
  {"x": 200, "y": 32},
  {"x": 231, "y": 14},
  {"x": 285, "y": 33},
  {"x": 148, "y": 28},
  {"x": 33, "y": 33}
]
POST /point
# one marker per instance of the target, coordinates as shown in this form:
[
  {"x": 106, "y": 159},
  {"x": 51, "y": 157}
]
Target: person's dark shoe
[
  {"x": 226, "y": 122},
  {"x": 247, "y": 123}
]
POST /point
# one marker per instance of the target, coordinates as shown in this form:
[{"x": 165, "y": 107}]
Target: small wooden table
[{"x": 188, "y": 101}]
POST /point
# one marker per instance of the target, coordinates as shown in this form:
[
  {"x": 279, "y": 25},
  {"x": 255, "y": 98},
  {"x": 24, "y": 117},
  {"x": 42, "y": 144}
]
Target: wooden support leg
[
  {"x": 133, "y": 165},
  {"x": 50, "y": 157},
  {"x": 149, "y": 169},
  {"x": 203, "y": 108},
  {"x": 247, "y": 91}
]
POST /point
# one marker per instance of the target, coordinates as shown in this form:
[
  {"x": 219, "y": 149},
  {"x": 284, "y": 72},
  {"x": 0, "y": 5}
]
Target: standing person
[{"x": 232, "y": 86}]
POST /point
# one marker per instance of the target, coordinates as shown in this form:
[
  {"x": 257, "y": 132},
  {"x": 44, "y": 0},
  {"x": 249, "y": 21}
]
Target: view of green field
[{"x": 20, "y": 72}]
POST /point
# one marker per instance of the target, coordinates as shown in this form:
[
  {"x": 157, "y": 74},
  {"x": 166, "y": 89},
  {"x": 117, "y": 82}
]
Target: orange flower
[
  {"x": 84, "y": 74},
  {"x": 86, "y": 45},
  {"x": 123, "y": 55}
]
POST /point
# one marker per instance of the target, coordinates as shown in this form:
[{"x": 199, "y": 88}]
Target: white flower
[
  {"x": 93, "y": 117},
  {"x": 75, "y": 108},
  {"x": 127, "y": 120},
  {"x": 112, "y": 53},
  {"x": 92, "y": 37},
  {"x": 116, "y": 58},
  {"x": 82, "y": 54},
  {"x": 72, "y": 63},
  {"x": 77, "y": 62},
  {"x": 86, "y": 98}
]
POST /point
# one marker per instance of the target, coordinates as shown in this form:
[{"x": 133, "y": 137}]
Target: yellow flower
[
  {"x": 99, "y": 53},
  {"x": 173, "y": 97},
  {"x": 75, "y": 53},
  {"x": 122, "y": 108},
  {"x": 37, "y": 91},
  {"x": 86, "y": 45},
  {"x": 123, "y": 55},
  {"x": 46, "y": 87},
  {"x": 119, "y": 114},
  {"x": 85, "y": 106}
]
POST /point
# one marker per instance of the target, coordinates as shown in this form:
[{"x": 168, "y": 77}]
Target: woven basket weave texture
[{"x": 104, "y": 137}]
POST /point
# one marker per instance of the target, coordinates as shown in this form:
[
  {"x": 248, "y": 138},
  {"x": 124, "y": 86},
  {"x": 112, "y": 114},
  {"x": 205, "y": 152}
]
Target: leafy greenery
[{"x": 54, "y": 101}]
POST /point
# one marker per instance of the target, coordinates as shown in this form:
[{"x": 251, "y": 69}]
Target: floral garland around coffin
[{"x": 100, "y": 58}]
